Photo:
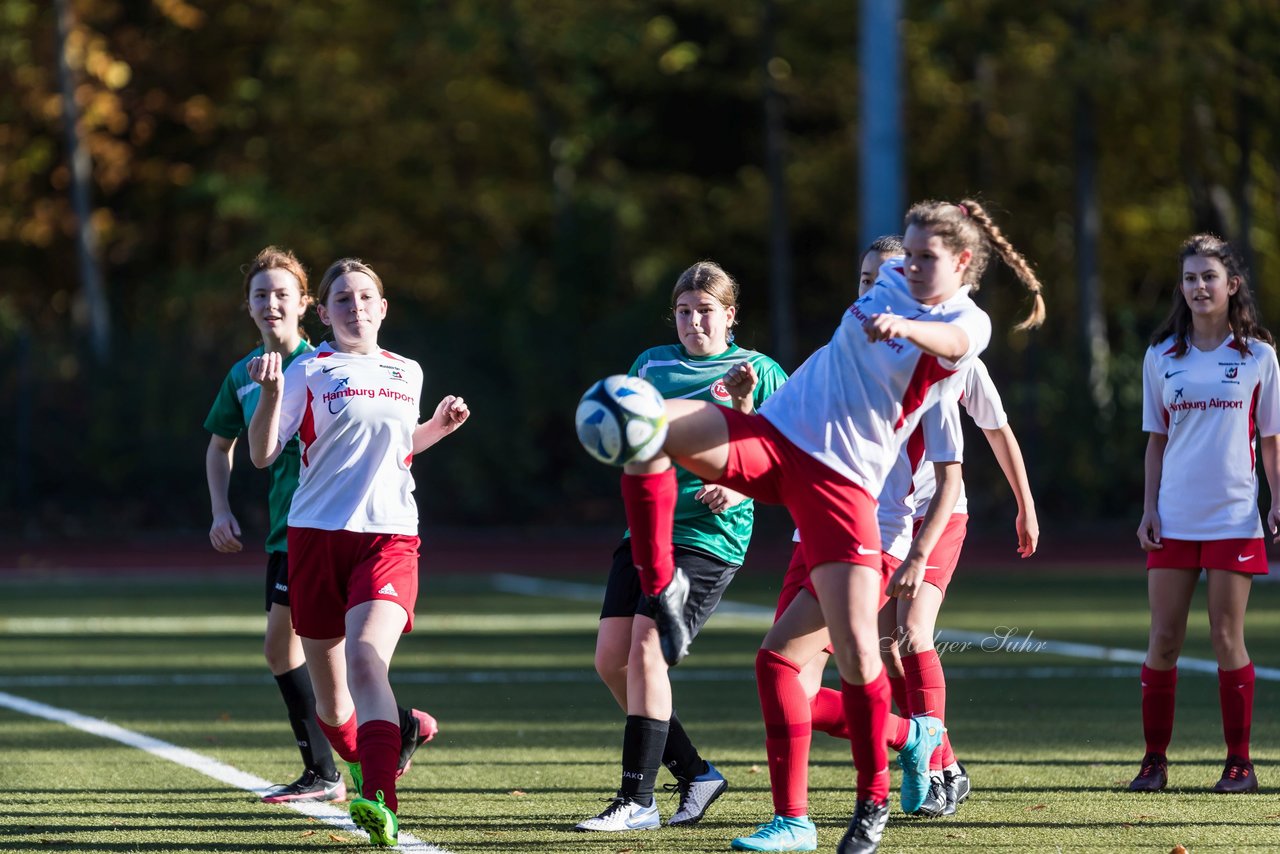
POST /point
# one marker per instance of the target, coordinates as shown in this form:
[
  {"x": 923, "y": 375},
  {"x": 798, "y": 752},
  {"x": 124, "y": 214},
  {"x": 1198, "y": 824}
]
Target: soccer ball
[{"x": 622, "y": 419}]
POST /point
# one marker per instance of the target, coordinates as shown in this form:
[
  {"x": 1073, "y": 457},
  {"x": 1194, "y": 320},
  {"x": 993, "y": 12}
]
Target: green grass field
[{"x": 530, "y": 740}]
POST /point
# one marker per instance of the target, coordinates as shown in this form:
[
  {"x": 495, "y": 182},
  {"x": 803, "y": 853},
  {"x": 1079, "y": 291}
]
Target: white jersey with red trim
[
  {"x": 1212, "y": 404},
  {"x": 982, "y": 401},
  {"x": 853, "y": 403},
  {"x": 354, "y": 415},
  {"x": 937, "y": 439}
]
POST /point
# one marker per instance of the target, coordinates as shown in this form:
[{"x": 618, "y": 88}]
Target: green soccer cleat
[
  {"x": 377, "y": 820},
  {"x": 357, "y": 778},
  {"x": 780, "y": 834},
  {"x": 926, "y": 735}
]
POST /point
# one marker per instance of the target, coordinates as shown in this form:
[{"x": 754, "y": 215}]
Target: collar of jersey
[{"x": 936, "y": 308}]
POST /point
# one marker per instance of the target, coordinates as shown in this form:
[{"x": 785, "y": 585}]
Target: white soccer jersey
[
  {"x": 854, "y": 403},
  {"x": 982, "y": 401},
  {"x": 1212, "y": 405},
  {"x": 937, "y": 439},
  {"x": 354, "y": 415}
]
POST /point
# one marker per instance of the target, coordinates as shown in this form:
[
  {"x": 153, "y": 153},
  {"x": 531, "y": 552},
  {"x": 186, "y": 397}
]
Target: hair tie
[{"x": 963, "y": 210}]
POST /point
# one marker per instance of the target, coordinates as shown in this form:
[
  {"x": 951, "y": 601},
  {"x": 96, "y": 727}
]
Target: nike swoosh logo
[
  {"x": 1168, "y": 374},
  {"x": 931, "y": 567},
  {"x": 634, "y": 824},
  {"x": 330, "y": 368},
  {"x": 863, "y": 551},
  {"x": 1243, "y": 558}
]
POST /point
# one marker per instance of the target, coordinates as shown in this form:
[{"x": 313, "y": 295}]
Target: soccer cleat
[
  {"x": 377, "y": 820},
  {"x": 1153, "y": 775},
  {"x": 957, "y": 783},
  {"x": 935, "y": 800},
  {"x": 416, "y": 729},
  {"x": 926, "y": 735},
  {"x": 668, "y": 612},
  {"x": 697, "y": 794},
  {"x": 622, "y": 815},
  {"x": 865, "y": 828},
  {"x": 1237, "y": 777},
  {"x": 357, "y": 778},
  {"x": 781, "y": 833},
  {"x": 309, "y": 787}
]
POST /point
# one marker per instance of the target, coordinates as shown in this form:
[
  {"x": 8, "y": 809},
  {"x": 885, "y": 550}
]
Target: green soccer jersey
[
  {"x": 229, "y": 417},
  {"x": 680, "y": 376}
]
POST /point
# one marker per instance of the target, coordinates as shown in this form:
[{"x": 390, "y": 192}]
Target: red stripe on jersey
[
  {"x": 392, "y": 356},
  {"x": 408, "y": 460},
  {"x": 307, "y": 429},
  {"x": 1237, "y": 346},
  {"x": 1253, "y": 425},
  {"x": 915, "y": 453},
  {"x": 1172, "y": 350},
  {"x": 324, "y": 354},
  {"x": 928, "y": 372},
  {"x": 1166, "y": 420}
]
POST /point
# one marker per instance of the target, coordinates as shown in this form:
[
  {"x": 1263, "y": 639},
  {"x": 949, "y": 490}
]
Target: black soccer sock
[
  {"x": 680, "y": 756},
  {"x": 642, "y": 745},
  {"x": 300, "y": 700}
]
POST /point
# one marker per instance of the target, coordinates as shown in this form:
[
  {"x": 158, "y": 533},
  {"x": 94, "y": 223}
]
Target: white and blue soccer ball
[{"x": 622, "y": 419}]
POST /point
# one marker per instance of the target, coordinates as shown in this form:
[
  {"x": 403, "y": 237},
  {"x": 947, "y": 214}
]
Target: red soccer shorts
[
  {"x": 944, "y": 558},
  {"x": 1246, "y": 554},
  {"x": 797, "y": 579},
  {"x": 331, "y": 572},
  {"x": 836, "y": 517}
]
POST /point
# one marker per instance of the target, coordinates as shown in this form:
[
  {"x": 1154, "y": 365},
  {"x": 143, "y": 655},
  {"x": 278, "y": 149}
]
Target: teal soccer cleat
[
  {"x": 780, "y": 834},
  {"x": 926, "y": 735}
]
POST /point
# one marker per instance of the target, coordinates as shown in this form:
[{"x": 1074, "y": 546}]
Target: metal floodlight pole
[
  {"x": 881, "y": 206},
  {"x": 92, "y": 290}
]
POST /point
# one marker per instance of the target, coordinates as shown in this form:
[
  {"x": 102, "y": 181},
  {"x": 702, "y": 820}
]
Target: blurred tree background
[{"x": 530, "y": 177}]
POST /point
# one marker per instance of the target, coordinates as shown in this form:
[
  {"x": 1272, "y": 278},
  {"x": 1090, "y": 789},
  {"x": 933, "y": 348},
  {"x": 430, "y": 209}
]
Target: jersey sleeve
[
  {"x": 981, "y": 400},
  {"x": 226, "y": 416},
  {"x": 977, "y": 327},
  {"x": 1155, "y": 419},
  {"x": 771, "y": 376},
  {"x": 943, "y": 437},
  {"x": 634, "y": 370},
  {"x": 1267, "y": 412},
  {"x": 294, "y": 402}
]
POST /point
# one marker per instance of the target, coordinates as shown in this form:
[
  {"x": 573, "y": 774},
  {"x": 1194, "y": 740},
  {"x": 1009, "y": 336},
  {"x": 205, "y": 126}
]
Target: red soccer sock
[
  {"x": 379, "y": 754},
  {"x": 866, "y": 707},
  {"x": 1158, "y": 690},
  {"x": 828, "y": 713},
  {"x": 788, "y": 731},
  {"x": 927, "y": 692},
  {"x": 1235, "y": 692},
  {"x": 897, "y": 730},
  {"x": 343, "y": 738},
  {"x": 898, "y": 687},
  {"x": 650, "y": 501}
]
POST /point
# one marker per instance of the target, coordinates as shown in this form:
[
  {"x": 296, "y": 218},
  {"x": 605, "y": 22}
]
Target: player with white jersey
[
  {"x": 712, "y": 531},
  {"x": 800, "y": 641},
  {"x": 822, "y": 446},
  {"x": 1210, "y": 390},
  {"x": 353, "y": 526}
]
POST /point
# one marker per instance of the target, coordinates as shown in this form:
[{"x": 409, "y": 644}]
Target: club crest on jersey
[
  {"x": 718, "y": 390},
  {"x": 1232, "y": 371},
  {"x": 395, "y": 373}
]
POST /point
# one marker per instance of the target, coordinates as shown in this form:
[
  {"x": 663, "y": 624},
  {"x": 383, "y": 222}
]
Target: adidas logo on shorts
[{"x": 388, "y": 590}]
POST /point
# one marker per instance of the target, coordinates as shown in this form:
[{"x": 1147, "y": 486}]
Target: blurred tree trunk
[
  {"x": 880, "y": 100},
  {"x": 1245, "y": 107},
  {"x": 91, "y": 307},
  {"x": 781, "y": 291},
  {"x": 1093, "y": 321}
]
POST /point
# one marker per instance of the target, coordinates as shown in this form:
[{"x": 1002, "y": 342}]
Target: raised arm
[
  {"x": 1009, "y": 455},
  {"x": 264, "y": 428},
  {"x": 944, "y": 340}
]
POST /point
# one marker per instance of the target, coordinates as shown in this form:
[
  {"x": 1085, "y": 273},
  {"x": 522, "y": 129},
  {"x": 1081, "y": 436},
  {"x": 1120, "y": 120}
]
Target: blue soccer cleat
[
  {"x": 926, "y": 736},
  {"x": 780, "y": 834}
]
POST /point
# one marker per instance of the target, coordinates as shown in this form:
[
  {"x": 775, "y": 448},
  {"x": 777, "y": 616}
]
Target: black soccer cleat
[
  {"x": 309, "y": 787},
  {"x": 1237, "y": 777},
  {"x": 957, "y": 784},
  {"x": 865, "y": 828},
  {"x": 668, "y": 612},
  {"x": 416, "y": 729},
  {"x": 935, "y": 800},
  {"x": 1153, "y": 775}
]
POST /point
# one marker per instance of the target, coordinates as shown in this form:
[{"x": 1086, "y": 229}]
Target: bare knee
[
  {"x": 1227, "y": 637},
  {"x": 1165, "y": 645}
]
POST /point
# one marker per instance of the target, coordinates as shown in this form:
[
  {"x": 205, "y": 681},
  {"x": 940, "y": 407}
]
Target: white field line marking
[
  {"x": 219, "y": 771},
  {"x": 529, "y": 586}
]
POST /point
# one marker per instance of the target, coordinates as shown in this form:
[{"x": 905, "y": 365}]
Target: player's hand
[
  {"x": 1149, "y": 531},
  {"x": 1028, "y": 527},
  {"x": 741, "y": 381},
  {"x": 882, "y": 327},
  {"x": 1273, "y": 523},
  {"x": 225, "y": 533},
  {"x": 718, "y": 498},
  {"x": 451, "y": 413},
  {"x": 907, "y": 579},
  {"x": 267, "y": 371}
]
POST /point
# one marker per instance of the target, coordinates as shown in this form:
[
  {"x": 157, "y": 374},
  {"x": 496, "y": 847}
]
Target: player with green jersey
[{"x": 712, "y": 531}]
